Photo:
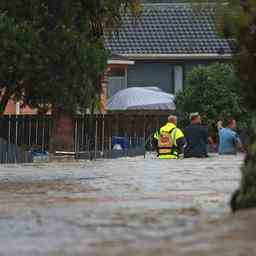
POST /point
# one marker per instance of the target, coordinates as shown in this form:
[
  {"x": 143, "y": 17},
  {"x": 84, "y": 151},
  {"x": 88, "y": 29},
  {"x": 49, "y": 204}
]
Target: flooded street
[{"x": 130, "y": 206}]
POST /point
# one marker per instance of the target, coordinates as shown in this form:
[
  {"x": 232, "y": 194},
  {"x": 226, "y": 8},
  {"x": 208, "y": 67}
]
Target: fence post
[
  {"x": 144, "y": 129},
  {"x": 23, "y": 130},
  {"x": 82, "y": 133},
  {"x": 16, "y": 130},
  {"x": 37, "y": 131},
  {"x": 16, "y": 136},
  {"x": 96, "y": 137},
  {"x": 43, "y": 133},
  {"x": 29, "y": 132},
  {"x": 9, "y": 130},
  {"x": 9, "y": 140},
  {"x": 103, "y": 135},
  {"x": 75, "y": 144}
]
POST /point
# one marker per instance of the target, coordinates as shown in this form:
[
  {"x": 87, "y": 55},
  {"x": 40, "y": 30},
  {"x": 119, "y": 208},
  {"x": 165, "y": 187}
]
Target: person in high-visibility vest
[{"x": 170, "y": 140}]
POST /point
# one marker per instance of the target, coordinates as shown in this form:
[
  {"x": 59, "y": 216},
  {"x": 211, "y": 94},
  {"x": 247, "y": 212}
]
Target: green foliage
[
  {"x": 54, "y": 50},
  {"x": 245, "y": 197},
  {"x": 240, "y": 23},
  {"x": 18, "y": 51},
  {"x": 213, "y": 92}
]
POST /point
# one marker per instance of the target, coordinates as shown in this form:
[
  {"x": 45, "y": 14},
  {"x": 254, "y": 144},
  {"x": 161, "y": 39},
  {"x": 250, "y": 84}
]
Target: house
[
  {"x": 165, "y": 43},
  {"x": 116, "y": 75},
  {"x": 159, "y": 48},
  {"x": 17, "y": 108}
]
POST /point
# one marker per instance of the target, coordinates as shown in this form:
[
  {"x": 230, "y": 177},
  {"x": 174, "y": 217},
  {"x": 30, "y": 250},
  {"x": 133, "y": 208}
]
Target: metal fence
[
  {"x": 95, "y": 132},
  {"x": 26, "y": 131},
  {"x": 92, "y": 133}
]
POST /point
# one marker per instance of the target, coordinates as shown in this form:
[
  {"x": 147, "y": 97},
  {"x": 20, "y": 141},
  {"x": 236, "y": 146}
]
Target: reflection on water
[{"x": 131, "y": 206}]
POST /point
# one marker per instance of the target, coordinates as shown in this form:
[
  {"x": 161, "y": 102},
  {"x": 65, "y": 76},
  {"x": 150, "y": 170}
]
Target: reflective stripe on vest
[{"x": 172, "y": 151}]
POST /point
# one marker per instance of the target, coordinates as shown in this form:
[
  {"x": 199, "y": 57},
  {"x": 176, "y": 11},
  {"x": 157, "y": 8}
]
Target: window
[
  {"x": 178, "y": 79},
  {"x": 117, "y": 72},
  {"x": 116, "y": 81}
]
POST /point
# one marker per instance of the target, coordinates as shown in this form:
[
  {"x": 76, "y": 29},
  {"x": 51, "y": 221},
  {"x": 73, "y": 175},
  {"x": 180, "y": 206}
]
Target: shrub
[{"x": 213, "y": 91}]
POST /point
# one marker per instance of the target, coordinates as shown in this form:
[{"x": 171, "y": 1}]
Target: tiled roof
[
  {"x": 117, "y": 57},
  {"x": 169, "y": 29}
]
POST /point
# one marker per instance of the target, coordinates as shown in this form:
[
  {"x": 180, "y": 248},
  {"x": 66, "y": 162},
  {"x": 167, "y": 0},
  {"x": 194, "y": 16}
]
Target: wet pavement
[{"x": 130, "y": 206}]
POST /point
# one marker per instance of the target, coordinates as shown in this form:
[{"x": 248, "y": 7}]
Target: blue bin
[
  {"x": 38, "y": 153},
  {"x": 122, "y": 141}
]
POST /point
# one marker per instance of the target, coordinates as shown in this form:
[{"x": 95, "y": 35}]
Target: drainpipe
[{"x": 17, "y": 108}]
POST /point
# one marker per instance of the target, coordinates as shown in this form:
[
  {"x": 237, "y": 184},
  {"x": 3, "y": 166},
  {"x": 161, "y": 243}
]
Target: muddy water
[{"x": 130, "y": 206}]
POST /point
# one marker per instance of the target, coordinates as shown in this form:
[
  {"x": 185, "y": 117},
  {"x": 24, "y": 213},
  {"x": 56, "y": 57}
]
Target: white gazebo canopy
[{"x": 141, "y": 98}]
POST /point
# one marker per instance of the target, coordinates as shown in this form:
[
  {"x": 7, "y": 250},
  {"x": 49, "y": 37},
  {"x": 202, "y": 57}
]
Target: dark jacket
[{"x": 197, "y": 140}]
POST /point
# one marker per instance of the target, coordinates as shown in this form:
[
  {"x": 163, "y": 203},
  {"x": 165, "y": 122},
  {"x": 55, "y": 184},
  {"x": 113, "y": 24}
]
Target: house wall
[
  {"x": 160, "y": 73},
  {"x": 13, "y": 109}
]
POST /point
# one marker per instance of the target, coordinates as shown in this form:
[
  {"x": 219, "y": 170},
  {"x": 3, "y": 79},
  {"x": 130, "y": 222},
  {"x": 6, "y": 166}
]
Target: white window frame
[{"x": 178, "y": 78}]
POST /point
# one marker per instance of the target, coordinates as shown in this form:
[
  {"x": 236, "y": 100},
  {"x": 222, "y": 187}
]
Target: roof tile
[{"x": 169, "y": 29}]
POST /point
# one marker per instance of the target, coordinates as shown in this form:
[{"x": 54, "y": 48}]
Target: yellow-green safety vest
[{"x": 167, "y": 137}]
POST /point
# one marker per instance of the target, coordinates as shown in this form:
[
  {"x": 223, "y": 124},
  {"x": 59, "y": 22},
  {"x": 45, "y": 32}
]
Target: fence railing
[
  {"x": 92, "y": 133},
  {"x": 26, "y": 130}
]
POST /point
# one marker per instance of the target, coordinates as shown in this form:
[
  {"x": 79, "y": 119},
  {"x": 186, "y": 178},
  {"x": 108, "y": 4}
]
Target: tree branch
[{"x": 4, "y": 101}]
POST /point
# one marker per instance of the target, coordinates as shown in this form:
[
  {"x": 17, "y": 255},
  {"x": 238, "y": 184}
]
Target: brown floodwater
[{"x": 129, "y": 206}]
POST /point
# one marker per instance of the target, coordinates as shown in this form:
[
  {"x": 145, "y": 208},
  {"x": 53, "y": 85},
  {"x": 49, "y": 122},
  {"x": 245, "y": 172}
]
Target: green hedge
[{"x": 213, "y": 91}]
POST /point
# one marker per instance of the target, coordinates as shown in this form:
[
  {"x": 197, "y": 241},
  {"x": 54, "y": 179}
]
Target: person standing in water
[
  {"x": 170, "y": 140},
  {"x": 197, "y": 138},
  {"x": 229, "y": 141}
]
